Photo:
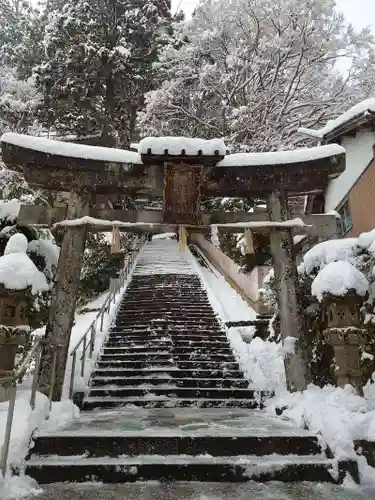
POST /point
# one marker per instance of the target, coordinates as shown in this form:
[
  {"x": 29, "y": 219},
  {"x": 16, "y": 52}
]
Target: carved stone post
[
  {"x": 290, "y": 310},
  {"x": 12, "y": 332},
  {"x": 64, "y": 297},
  {"x": 346, "y": 335}
]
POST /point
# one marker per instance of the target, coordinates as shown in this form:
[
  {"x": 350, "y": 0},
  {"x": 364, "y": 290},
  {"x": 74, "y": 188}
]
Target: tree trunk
[
  {"x": 61, "y": 314},
  {"x": 290, "y": 309}
]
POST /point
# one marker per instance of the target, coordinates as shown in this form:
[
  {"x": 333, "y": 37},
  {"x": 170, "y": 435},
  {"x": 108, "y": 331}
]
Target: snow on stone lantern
[
  {"x": 18, "y": 277},
  {"x": 342, "y": 289}
]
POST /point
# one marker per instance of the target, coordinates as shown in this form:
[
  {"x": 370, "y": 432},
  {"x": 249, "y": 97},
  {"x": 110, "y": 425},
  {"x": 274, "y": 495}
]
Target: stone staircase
[{"x": 168, "y": 401}]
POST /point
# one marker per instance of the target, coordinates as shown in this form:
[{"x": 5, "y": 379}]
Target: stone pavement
[{"x": 204, "y": 491}]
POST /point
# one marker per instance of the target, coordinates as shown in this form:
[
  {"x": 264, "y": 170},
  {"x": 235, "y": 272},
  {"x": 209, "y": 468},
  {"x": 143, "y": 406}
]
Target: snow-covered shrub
[{"x": 358, "y": 253}]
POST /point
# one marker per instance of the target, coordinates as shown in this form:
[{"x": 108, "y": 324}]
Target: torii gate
[{"x": 183, "y": 172}]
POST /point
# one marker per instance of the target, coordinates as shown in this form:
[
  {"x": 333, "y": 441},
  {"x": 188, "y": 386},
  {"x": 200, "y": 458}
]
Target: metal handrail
[
  {"x": 89, "y": 337},
  {"x": 11, "y": 382}
]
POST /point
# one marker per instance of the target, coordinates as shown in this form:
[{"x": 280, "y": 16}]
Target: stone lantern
[
  {"x": 13, "y": 326},
  {"x": 342, "y": 289},
  {"x": 19, "y": 278}
]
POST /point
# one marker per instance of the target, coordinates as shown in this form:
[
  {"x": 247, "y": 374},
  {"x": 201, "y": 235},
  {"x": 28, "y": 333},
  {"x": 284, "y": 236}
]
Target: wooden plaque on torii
[{"x": 181, "y": 200}]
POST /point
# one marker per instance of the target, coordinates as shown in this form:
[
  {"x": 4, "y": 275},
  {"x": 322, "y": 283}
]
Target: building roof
[{"x": 361, "y": 114}]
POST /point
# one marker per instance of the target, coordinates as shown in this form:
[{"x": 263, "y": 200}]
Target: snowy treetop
[
  {"x": 282, "y": 157},
  {"x": 338, "y": 278},
  {"x": 362, "y": 108},
  {"x": 175, "y": 145},
  {"x": 71, "y": 150}
]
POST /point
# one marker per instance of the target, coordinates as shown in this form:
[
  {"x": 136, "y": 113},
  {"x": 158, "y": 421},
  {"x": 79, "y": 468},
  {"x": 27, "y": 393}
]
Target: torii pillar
[
  {"x": 286, "y": 279},
  {"x": 64, "y": 298}
]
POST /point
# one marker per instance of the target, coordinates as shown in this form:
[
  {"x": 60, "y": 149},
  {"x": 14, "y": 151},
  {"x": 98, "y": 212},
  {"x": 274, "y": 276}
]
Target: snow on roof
[
  {"x": 176, "y": 144},
  {"x": 327, "y": 252},
  {"x": 282, "y": 157},
  {"x": 337, "y": 278},
  {"x": 9, "y": 210},
  {"x": 71, "y": 150},
  {"x": 365, "y": 107}
]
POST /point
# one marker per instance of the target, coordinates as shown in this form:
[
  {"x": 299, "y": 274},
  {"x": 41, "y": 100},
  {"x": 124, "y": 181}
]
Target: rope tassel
[
  {"x": 116, "y": 240},
  {"x": 249, "y": 244}
]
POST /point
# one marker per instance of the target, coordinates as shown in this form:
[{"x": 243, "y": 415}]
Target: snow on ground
[
  {"x": 24, "y": 423},
  {"x": 339, "y": 416},
  {"x": 262, "y": 362}
]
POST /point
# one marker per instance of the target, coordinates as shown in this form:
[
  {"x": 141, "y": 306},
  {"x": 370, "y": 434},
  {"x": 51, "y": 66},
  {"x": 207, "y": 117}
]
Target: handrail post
[
  {"x": 35, "y": 378},
  {"x": 72, "y": 374},
  {"x": 8, "y": 427},
  {"x": 83, "y": 359},
  {"x": 92, "y": 339},
  {"x": 101, "y": 321},
  {"x": 53, "y": 378}
]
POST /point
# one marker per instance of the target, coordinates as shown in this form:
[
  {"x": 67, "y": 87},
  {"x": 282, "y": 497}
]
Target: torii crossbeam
[{"x": 183, "y": 172}]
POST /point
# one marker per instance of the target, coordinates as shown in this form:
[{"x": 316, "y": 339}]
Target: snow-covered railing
[
  {"x": 12, "y": 381},
  {"x": 87, "y": 341}
]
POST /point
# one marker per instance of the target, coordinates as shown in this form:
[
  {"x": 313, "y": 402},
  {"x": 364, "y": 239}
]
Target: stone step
[
  {"x": 199, "y": 335},
  {"x": 112, "y": 402},
  {"x": 169, "y": 308},
  {"x": 107, "y": 444},
  {"x": 170, "y": 348},
  {"x": 180, "y": 316},
  {"x": 182, "y": 365},
  {"x": 156, "y": 357},
  {"x": 195, "y": 373},
  {"x": 157, "y": 344},
  {"x": 97, "y": 381},
  {"x": 48, "y": 470},
  {"x": 173, "y": 392},
  {"x": 189, "y": 302},
  {"x": 141, "y": 322}
]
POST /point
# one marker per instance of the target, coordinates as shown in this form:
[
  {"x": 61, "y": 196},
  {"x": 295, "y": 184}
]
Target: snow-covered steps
[
  {"x": 175, "y": 444},
  {"x": 50, "y": 469},
  {"x": 167, "y": 399},
  {"x": 165, "y": 323},
  {"x": 113, "y": 444},
  {"x": 154, "y": 401}
]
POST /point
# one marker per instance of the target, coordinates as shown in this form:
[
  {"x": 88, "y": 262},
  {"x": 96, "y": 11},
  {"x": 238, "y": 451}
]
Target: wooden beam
[
  {"x": 289, "y": 304},
  {"x": 322, "y": 225},
  {"x": 259, "y": 180}
]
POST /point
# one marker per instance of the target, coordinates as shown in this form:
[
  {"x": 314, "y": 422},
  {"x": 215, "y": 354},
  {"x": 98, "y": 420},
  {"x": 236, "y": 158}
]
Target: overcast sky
[{"x": 359, "y": 12}]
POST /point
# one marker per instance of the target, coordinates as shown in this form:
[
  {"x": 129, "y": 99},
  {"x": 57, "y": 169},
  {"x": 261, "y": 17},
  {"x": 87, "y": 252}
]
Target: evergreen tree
[{"x": 98, "y": 65}]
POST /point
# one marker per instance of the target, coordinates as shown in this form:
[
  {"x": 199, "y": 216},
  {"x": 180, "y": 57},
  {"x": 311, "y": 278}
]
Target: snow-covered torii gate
[{"x": 183, "y": 172}]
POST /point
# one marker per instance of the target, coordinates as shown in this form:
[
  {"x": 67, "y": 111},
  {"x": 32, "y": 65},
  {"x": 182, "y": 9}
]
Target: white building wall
[{"x": 358, "y": 155}]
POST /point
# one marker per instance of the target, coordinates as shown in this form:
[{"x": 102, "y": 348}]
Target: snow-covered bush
[{"x": 354, "y": 261}]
